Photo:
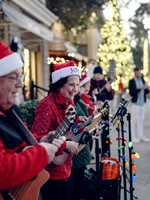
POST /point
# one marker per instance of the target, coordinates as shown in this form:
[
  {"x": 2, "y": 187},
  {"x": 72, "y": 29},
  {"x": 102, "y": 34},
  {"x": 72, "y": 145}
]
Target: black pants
[
  {"x": 56, "y": 190},
  {"x": 76, "y": 183}
]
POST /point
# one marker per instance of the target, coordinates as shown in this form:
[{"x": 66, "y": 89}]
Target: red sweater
[
  {"x": 17, "y": 167},
  {"x": 48, "y": 116}
]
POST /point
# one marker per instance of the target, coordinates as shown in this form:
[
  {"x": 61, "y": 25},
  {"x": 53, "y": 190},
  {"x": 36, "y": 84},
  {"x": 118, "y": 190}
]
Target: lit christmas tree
[{"x": 115, "y": 46}]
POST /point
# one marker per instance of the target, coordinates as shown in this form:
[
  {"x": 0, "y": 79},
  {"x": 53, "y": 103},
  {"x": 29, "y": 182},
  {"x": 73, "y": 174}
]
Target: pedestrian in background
[
  {"x": 138, "y": 90},
  {"x": 100, "y": 87}
]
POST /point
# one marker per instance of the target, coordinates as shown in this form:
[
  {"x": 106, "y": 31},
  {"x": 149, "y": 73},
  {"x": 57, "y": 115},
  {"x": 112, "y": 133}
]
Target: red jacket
[
  {"x": 48, "y": 116},
  {"x": 17, "y": 166}
]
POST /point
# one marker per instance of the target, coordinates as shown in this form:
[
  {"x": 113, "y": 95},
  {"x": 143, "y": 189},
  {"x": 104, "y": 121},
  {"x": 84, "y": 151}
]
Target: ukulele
[
  {"x": 103, "y": 110},
  {"x": 70, "y": 116},
  {"x": 60, "y": 159}
]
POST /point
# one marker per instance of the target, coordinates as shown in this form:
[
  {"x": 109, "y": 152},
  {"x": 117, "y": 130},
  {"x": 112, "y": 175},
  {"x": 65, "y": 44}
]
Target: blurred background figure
[
  {"x": 138, "y": 90},
  {"x": 100, "y": 88}
]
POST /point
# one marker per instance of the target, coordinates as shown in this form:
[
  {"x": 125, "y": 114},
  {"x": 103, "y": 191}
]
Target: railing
[{"x": 32, "y": 96}]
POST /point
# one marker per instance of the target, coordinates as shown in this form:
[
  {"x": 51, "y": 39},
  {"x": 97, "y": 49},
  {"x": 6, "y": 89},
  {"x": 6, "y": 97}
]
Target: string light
[
  {"x": 118, "y": 139},
  {"x": 134, "y": 168},
  {"x": 137, "y": 155},
  {"x": 118, "y": 122},
  {"x": 134, "y": 178},
  {"x": 123, "y": 157},
  {"x": 127, "y": 164},
  {"x": 130, "y": 144},
  {"x": 132, "y": 156},
  {"x": 60, "y": 60},
  {"x": 121, "y": 147},
  {"x": 106, "y": 128}
]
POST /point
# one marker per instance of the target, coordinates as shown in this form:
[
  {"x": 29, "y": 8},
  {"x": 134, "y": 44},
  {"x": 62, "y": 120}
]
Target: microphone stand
[
  {"x": 120, "y": 113},
  {"x": 118, "y": 130},
  {"x": 123, "y": 153},
  {"x": 130, "y": 160},
  {"x": 97, "y": 153}
]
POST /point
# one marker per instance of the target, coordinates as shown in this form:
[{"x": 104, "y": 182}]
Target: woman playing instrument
[{"x": 49, "y": 115}]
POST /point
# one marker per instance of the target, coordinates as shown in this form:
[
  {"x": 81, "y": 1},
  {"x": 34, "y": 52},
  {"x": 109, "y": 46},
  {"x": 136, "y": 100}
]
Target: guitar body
[
  {"x": 60, "y": 159},
  {"x": 29, "y": 190}
]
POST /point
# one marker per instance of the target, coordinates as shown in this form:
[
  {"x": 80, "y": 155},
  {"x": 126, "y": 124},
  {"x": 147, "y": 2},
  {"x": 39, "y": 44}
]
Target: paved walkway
[{"x": 142, "y": 183}]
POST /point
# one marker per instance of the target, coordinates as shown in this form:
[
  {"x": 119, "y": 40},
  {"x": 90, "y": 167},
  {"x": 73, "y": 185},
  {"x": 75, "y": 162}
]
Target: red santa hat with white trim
[
  {"x": 84, "y": 79},
  {"x": 63, "y": 70},
  {"x": 9, "y": 60}
]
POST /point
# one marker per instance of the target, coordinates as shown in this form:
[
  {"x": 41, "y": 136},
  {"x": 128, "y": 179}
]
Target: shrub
[{"x": 27, "y": 110}]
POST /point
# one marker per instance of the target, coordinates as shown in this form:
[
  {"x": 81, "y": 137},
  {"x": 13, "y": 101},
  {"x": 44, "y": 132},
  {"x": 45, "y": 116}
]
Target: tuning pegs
[
  {"x": 71, "y": 109},
  {"x": 73, "y": 113},
  {"x": 71, "y": 119},
  {"x": 68, "y": 113}
]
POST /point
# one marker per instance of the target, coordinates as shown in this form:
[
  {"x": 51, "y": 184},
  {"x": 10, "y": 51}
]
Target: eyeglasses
[{"x": 16, "y": 80}]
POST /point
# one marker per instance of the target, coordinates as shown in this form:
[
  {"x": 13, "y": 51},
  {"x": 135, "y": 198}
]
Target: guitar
[
  {"x": 60, "y": 159},
  {"x": 27, "y": 191},
  {"x": 109, "y": 81},
  {"x": 30, "y": 190}
]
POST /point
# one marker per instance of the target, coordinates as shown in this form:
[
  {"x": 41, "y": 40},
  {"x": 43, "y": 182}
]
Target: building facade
[{"x": 28, "y": 24}]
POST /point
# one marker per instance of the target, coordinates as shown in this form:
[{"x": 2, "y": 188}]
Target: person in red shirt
[
  {"x": 19, "y": 160},
  {"x": 49, "y": 115}
]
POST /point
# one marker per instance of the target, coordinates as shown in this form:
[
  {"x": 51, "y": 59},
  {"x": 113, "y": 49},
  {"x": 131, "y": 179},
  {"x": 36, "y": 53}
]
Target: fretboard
[
  {"x": 60, "y": 130},
  {"x": 77, "y": 137}
]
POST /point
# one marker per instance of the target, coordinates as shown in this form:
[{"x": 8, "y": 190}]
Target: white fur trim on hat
[
  {"x": 85, "y": 80},
  {"x": 10, "y": 63},
  {"x": 64, "y": 72}
]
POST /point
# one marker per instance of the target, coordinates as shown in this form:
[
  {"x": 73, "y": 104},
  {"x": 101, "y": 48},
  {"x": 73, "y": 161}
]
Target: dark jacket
[
  {"x": 133, "y": 91},
  {"x": 99, "y": 84}
]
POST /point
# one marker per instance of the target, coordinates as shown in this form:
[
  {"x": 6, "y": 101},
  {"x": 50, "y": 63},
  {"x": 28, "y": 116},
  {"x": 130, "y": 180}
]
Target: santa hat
[
  {"x": 63, "y": 70},
  {"x": 84, "y": 79},
  {"x": 9, "y": 60}
]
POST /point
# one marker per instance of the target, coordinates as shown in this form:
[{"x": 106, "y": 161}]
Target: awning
[
  {"x": 70, "y": 48},
  {"x": 59, "y": 45},
  {"x": 26, "y": 22}
]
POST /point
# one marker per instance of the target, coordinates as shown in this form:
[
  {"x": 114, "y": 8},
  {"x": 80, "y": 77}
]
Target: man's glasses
[{"x": 16, "y": 80}]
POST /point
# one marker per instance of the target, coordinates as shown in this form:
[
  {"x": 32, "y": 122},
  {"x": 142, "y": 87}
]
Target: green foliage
[
  {"x": 139, "y": 31},
  {"x": 27, "y": 110},
  {"x": 77, "y": 15},
  {"x": 138, "y": 56}
]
